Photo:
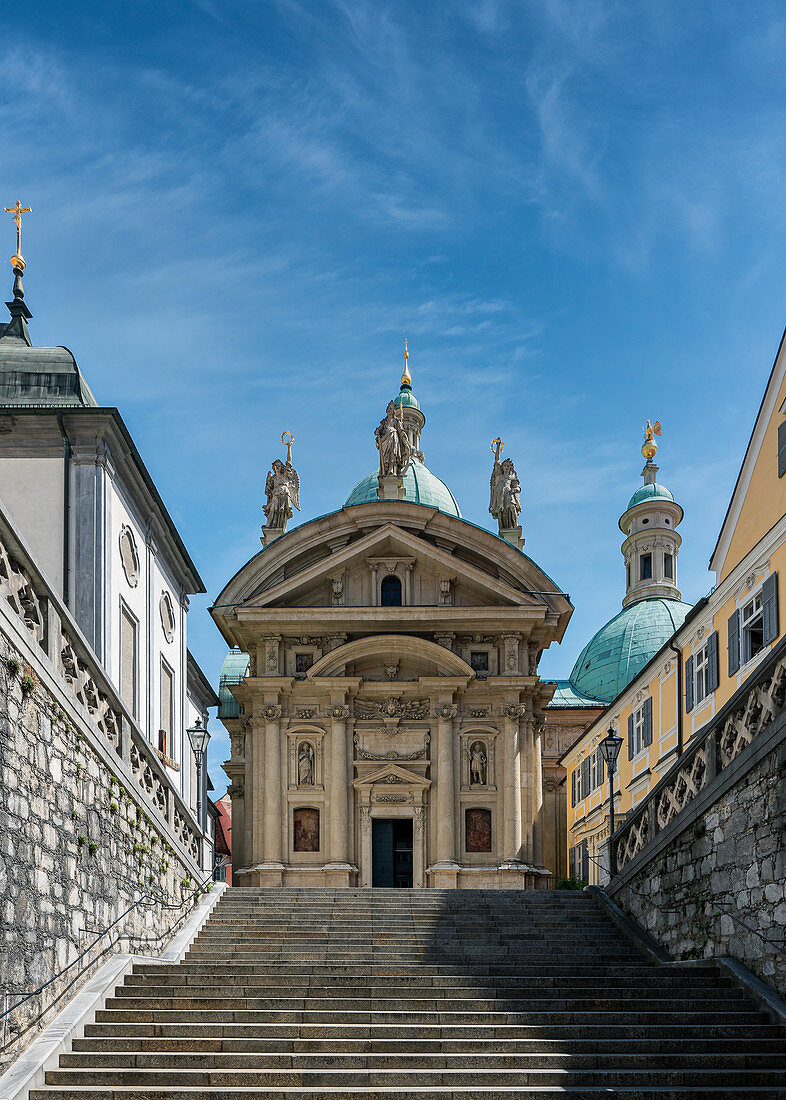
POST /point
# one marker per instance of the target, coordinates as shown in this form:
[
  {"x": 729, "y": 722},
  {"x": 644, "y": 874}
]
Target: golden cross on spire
[{"x": 18, "y": 210}]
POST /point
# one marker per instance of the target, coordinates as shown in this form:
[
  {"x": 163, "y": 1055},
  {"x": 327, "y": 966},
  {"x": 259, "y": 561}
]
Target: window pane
[
  {"x": 391, "y": 592},
  {"x": 479, "y": 662},
  {"x": 645, "y": 567},
  {"x": 668, "y": 566},
  {"x": 167, "y": 706}
]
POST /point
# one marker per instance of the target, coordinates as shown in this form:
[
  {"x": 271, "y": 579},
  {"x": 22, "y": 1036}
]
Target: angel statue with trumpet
[{"x": 282, "y": 489}]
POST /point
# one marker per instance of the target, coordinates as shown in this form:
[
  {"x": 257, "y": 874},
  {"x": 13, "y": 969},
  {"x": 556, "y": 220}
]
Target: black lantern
[
  {"x": 199, "y": 737},
  {"x": 610, "y": 748}
]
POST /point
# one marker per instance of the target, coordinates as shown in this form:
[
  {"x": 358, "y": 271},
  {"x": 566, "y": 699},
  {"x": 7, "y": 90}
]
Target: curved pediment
[{"x": 424, "y": 657}]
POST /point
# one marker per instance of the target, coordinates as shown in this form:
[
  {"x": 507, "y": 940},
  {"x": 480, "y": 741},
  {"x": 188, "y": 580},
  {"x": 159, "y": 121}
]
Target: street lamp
[
  {"x": 199, "y": 737},
  {"x": 610, "y": 748}
]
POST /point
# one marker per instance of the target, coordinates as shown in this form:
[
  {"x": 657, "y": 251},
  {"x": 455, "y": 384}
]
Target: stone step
[
  {"x": 447, "y": 1092},
  {"x": 417, "y": 1043},
  {"x": 608, "y": 1078}
]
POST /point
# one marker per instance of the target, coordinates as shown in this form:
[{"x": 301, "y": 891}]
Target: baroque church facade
[{"x": 386, "y": 715}]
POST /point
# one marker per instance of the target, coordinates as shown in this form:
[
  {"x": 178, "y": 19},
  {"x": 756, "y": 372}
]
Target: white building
[{"x": 76, "y": 488}]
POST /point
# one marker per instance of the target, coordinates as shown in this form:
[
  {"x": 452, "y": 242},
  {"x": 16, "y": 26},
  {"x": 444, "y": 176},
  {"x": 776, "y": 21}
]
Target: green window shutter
[
  {"x": 734, "y": 642},
  {"x": 769, "y": 607},
  {"x": 573, "y": 791},
  {"x": 585, "y": 861},
  {"x": 713, "y": 668},
  {"x": 648, "y": 721},
  {"x": 601, "y": 768},
  {"x": 585, "y": 776},
  {"x": 630, "y": 737},
  {"x": 689, "y": 685},
  {"x": 782, "y": 449}
]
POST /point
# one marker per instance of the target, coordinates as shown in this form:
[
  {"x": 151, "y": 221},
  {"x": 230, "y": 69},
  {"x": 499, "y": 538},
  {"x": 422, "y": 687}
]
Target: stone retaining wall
[
  {"x": 724, "y": 853},
  {"x": 89, "y": 822}
]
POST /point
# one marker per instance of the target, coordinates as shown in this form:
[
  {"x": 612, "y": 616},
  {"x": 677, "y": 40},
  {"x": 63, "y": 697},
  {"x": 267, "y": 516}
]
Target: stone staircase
[{"x": 408, "y": 993}]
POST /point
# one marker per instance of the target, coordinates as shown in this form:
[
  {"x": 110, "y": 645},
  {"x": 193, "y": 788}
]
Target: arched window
[{"x": 390, "y": 592}]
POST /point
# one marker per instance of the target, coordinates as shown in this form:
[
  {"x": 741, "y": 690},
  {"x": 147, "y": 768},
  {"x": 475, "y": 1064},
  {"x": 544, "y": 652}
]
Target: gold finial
[
  {"x": 406, "y": 377},
  {"x": 288, "y": 439},
  {"x": 649, "y": 447},
  {"x": 18, "y": 210},
  {"x": 497, "y": 447}
]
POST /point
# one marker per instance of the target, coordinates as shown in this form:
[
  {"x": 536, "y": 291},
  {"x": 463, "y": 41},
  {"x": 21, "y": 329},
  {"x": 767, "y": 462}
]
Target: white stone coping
[{"x": 29, "y": 1070}]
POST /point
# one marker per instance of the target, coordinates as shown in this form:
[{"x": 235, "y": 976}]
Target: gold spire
[
  {"x": 649, "y": 447},
  {"x": 18, "y": 210},
  {"x": 406, "y": 377}
]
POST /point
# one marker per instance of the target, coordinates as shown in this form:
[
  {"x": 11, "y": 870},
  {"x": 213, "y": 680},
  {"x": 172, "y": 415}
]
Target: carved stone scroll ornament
[
  {"x": 338, "y": 713},
  {"x": 446, "y": 712},
  {"x": 365, "y": 818},
  {"x": 514, "y": 710},
  {"x": 419, "y": 815},
  {"x": 306, "y": 712},
  {"x": 271, "y": 712},
  {"x": 391, "y": 708},
  {"x": 391, "y": 798}
]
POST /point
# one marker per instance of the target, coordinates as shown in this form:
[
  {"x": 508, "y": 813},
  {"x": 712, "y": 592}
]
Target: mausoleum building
[{"x": 383, "y": 700}]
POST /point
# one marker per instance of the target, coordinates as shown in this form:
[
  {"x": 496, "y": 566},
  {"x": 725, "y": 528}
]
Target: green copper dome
[
  {"x": 420, "y": 485},
  {"x": 406, "y": 398},
  {"x": 650, "y": 492},
  {"x": 621, "y": 648}
]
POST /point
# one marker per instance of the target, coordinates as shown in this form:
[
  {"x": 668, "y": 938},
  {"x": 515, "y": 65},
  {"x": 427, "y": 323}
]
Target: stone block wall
[
  {"x": 90, "y": 823},
  {"x": 727, "y": 860}
]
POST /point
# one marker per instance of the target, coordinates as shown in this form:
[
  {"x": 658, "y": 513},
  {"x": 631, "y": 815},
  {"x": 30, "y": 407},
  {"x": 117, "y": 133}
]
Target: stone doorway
[{"x": 391, "y": 852}]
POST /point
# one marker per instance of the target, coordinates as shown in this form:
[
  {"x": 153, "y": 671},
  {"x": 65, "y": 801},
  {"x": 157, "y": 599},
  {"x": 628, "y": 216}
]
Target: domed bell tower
[{"x": 650, "y": 525}]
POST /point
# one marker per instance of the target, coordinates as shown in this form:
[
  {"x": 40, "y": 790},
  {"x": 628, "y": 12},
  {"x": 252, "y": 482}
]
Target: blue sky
[{"x": 573, "y": 210}]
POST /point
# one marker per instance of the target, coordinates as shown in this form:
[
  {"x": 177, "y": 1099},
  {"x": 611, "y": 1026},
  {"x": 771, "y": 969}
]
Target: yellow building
[{"x": 713, "y": 649}]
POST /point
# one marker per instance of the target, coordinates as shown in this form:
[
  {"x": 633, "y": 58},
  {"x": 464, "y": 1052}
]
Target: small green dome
[
  {"x": 420, "y": 486},
  {"x": 406, "y": 398},
  {"x": 621, "y": 648},
  {"x": 233, "y": 671},
  {"x": 650, "y": 492}
]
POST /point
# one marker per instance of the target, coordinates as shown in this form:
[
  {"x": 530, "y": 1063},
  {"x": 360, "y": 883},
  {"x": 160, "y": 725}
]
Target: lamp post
[
  {"x": 610, "y": 747},
  {"x": 199, "y": 737}
]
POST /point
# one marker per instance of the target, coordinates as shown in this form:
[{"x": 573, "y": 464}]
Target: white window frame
[
  {"x": 701, "y": 672},
  {"x": 638, "y": 731},
  {"x": 750, "y": 613}
]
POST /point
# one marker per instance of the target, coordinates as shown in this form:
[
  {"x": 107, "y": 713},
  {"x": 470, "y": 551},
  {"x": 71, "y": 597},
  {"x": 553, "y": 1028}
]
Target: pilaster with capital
[
  {"x": 339, "y": 787},
  {"x": 445, "y": 714},
  {"x": 272, "y": 809},
  {"x": 512, "y": 786}
]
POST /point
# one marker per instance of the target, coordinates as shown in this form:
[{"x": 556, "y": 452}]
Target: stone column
[
  {"x": 512, "y": 830},
  {"x": 271, "y": 867},
  {"x": 338, "y": 786},
  {"x": 445, "y": 869},
  {"x": 419, "y": 847},
  {"x": 538, "y": 813},
  {"x": 365, "y": 846}
]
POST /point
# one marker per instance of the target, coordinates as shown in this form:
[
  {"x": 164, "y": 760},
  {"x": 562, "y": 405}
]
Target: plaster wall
[{"x": 32, "y": 494}]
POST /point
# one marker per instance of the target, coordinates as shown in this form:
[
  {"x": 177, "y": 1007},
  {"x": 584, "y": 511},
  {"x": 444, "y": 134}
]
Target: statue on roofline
[
  {"x": 282, "y": 489},
  {"x": 505, "y": 501},
  {"x": 395, "y": 453}
]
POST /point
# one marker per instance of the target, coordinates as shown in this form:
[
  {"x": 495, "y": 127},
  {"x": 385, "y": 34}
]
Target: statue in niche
[
  {"x": 282, "y": 489},
  {"x": 478, "y": 764},
  {"x": 305, "y": 765},
  {"x": 505, "y": 501},
  {"x": 393, "y": 444}
]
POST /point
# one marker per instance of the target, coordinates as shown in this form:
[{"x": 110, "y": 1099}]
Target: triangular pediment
[
  {"x": 387, "y": 545},
  {"x": 391, "y": 775}
]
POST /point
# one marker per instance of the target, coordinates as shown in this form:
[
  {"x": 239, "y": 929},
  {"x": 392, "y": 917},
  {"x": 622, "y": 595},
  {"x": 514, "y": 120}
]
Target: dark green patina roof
[
  {"x": 37, "y": 377},
  {"x": 233, "y": 671},
  {"x": 566, "y": 695},
  {"x": 420, "y": 486},
  {"x": 621, "y": 648}
]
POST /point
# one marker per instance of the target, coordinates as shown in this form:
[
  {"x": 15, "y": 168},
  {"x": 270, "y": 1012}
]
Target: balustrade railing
[
  {"x": 750, "y": 711},
  {"x": 54, "y": 632}
]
